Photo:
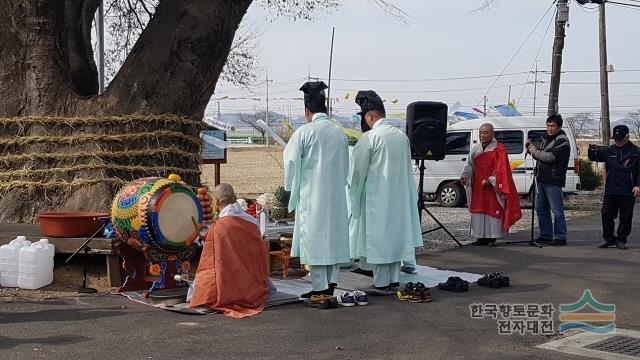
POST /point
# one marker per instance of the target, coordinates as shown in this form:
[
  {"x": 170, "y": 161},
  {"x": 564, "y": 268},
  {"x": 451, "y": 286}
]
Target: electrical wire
[{"x": 518, "y": 51}]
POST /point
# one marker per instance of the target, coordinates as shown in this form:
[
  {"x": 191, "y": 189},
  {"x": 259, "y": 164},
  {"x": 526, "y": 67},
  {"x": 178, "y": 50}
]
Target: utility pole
[
  {"x": 266, "y": 114},
  {"x": 562, "y": 17},
  {"x": 509, "y": 97},
  {"x": 485, "y": 106},
  {"x": 535, "y": 89},
  {"x": 219, "y": 114},
  {"x": 604, "y": 79}
]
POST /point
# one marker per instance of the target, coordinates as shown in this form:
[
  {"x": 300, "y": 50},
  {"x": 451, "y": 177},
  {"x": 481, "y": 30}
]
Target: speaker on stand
[{"x": 427, "y": 133}]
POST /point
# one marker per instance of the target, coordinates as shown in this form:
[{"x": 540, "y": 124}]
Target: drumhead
[{"x": 174, "y": 212}]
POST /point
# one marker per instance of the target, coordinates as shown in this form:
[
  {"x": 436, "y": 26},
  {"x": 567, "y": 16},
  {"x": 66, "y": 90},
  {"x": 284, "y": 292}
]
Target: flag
[{"x": 478, "y": 111}]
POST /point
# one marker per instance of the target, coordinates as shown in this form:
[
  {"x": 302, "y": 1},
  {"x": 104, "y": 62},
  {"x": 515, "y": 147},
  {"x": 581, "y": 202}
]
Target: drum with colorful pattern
[{"x": 157, "y": 212}]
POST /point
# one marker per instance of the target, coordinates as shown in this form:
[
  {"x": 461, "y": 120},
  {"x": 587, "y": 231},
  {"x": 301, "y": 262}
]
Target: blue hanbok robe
[
  {"x": 384, "y": 225},
  {"x": 316, "y": 162}
]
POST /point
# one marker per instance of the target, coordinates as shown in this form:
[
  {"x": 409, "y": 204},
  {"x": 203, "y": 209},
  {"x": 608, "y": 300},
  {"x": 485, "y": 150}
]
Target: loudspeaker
[{"x": 427, "y": 129}]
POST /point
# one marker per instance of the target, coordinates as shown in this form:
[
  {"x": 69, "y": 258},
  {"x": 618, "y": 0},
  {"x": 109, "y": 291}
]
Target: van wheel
[{"x": 451, "y": 195}]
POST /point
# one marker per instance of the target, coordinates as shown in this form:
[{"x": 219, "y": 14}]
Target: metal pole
[
  {"x": 604, "y": 79},
  {"x": 100, "y": 29},
  {"x": 485, "y": 106},
  {"x": 535, "y": 89},
  {"x": 266, "y": 115},
  {"x": 562, "y": 16},
  {"x": 333, "y": 33}
]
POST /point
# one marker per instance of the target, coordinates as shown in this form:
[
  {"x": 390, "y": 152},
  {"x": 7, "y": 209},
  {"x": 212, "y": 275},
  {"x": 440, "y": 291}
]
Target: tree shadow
[
  {"x": 59, "y": 315},
  {"x": 58, "y": 340}
]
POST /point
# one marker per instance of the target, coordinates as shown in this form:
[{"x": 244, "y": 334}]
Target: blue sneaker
[
  {"x": 347, "y": 299},
  {"x": 361, "y": 297}
]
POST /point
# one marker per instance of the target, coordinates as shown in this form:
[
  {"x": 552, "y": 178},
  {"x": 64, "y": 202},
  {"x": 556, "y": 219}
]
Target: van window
[
  {"x": 512, "y": 140},
  {"x": 458, "y": 143},
  {"x": 536, "y": 137}
]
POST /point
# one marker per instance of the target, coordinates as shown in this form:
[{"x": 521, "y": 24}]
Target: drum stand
[
  {"x": 422, "y": 207},
  {"x": 86, "y": 249}
]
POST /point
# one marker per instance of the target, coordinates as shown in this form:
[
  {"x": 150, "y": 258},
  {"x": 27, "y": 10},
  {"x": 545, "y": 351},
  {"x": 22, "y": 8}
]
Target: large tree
[{"x": 63, "y": 146}]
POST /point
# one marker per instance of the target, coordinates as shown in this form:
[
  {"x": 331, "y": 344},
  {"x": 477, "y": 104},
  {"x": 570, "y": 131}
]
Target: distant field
[{"x": 251, "y": 170}]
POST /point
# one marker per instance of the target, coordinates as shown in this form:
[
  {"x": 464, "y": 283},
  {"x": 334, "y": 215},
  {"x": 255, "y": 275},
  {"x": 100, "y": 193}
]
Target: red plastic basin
[{"x": 70, "y": 224}]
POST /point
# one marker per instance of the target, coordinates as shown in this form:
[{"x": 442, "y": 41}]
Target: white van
[{"x": 440, "y": 176}]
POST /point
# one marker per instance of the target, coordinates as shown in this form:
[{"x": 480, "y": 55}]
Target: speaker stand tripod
[
  {"x": 83, "y": 289},
  {"x": 422, "y": 207}
]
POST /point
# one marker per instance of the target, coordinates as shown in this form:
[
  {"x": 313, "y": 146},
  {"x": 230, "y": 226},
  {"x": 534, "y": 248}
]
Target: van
[{"x": 441, "y": 177}]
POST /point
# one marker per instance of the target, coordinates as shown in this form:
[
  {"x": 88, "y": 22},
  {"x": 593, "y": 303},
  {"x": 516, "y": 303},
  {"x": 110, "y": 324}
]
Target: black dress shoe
[
  {"x": 312, "y": 293},
  {"x": 480, "y": 242},
  {"x": 543, "y": 241},
  {"x": 558, "y": 242},
  {"x": 454, "y": 284}
]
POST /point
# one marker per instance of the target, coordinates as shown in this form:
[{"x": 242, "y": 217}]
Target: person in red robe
[
  {"x": 232, "y": 275},
  {"x": 494, "y": 202}
]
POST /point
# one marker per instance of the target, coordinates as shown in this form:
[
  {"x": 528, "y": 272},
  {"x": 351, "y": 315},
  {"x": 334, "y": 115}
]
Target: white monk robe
[
  {"x": 385, "y": 227},
  {"x": 483, "y": 225},
  {"x": 316, "y": 161}
]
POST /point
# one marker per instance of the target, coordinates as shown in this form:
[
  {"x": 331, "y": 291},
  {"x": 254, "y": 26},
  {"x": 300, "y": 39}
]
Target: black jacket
[
  {"x": 622, "y": 165},
  {"x": 553, "y": 159}
]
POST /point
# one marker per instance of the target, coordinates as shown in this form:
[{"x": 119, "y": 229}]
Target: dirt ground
[{"x": 251, "y": 170}]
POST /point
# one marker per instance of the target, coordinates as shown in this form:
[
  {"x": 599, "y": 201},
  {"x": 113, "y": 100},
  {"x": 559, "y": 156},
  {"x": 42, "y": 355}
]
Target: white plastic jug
[
  {"x": 10, "y": 261},
  {"x": 36, "y": 265}
]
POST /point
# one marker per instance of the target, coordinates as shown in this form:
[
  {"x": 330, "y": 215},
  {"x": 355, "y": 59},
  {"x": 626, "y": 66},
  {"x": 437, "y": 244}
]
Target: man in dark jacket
[
  {"x": 622, "y": 162},
  {"x": 551, "y": 173}
]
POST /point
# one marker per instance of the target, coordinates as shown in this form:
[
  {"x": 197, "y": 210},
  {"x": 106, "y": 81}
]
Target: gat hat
[
  {"x": 314, "y": 96},
  {"x": 619, "y": 132},
  {"x": 368, "y": 100}
]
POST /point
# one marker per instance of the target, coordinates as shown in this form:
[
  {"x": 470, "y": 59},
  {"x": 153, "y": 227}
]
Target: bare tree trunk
[{"x": 47, "y": 68}]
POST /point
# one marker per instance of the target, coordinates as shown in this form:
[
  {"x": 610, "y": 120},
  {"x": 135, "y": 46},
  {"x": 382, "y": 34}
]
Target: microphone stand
[{"x": 86, "y": 249}]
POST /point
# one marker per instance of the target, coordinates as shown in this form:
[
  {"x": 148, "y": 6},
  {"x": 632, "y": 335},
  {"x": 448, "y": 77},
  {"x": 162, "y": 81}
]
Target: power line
[
  {"x": 535, "y": 60},
  {"x": 518, "y": 51}
]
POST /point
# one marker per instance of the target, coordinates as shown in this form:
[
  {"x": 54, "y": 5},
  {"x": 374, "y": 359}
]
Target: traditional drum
[
  {"x": 157, "y": 221},
  {"x": 158, "y": 212}
]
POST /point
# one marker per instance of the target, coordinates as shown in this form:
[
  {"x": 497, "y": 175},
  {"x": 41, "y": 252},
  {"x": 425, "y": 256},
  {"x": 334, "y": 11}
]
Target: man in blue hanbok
[
  {"x": 316, "y": 165},
  {"x": 385, "y": 227}
]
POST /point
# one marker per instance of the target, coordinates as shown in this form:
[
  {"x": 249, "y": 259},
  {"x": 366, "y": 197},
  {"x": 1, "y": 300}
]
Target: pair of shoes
[
  {"x": 414, "y": 292},
  {"x": 543, "y": 241},
  {"x": 321, "y": 302},
  {"x": 454, "y": 284},
  {"x": 352, "y": 298},
  {"x": 494, "y": 280},
  {"x": 621, "y": 245},
  {"x": 479, "y": 242},
  {"x": 558, "y": 242}
]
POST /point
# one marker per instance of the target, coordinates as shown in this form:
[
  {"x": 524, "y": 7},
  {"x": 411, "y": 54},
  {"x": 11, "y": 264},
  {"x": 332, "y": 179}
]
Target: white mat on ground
[
  {"x": 351, "y": 281},
  {"x": 432, "y": 276}
]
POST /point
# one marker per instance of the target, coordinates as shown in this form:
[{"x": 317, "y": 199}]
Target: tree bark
[{"x": 47, "y": 69}]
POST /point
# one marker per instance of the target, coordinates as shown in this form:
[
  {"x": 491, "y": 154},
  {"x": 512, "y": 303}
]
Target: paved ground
[{"x": 110, "y": 327}]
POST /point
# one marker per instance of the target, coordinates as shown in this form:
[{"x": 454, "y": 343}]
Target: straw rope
[
  {"x": 101, "y": 154},
  {"x": 84, "y": 138},
  {"x": 77, "y": 168},
  {"x": 49, "y": 185},
  {"x": 101, "y": 120}
]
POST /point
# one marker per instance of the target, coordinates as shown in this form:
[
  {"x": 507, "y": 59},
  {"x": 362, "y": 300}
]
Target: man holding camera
[
  {"x": 551, "y": 173},
  {"x": 622, "y": 162}
]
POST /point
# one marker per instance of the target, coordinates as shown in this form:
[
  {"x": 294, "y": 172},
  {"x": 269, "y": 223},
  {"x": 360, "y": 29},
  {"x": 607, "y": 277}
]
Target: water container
[
  {"x": 36, "y": 265},
  {"x": 10, "y": 261}
]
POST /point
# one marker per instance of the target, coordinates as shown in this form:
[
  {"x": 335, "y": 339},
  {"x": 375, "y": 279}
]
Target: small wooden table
[{"x": 99, "y": 246}]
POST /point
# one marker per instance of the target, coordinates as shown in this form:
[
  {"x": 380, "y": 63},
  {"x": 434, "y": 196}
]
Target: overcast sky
[{"x": 443, "y": 40}]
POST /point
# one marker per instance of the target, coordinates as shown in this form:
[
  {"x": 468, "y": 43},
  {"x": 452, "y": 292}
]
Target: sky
[{"x": 443, "y": 40}]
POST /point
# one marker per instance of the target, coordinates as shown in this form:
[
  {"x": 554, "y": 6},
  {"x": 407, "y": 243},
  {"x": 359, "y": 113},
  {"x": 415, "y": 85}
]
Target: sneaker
[
  {"x": 414, "y": 293},
  {"x": 454, "y": 284},
  {"x": 607, "y": 243},
  {"x": 409, "y": 269},
  {"x": 490, "y": 281},
  {"x": 621, "y": 245},
  {"x": 558, "y": 242},
  {"x": 503, "y": 278},
  {"x": 361, "y": 297},
  {"x": 317, "y": 301},
  {"x": 347, "y": 299},
  {"x": 543, "y": 241}
]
